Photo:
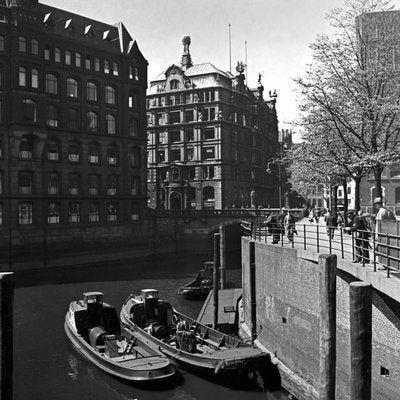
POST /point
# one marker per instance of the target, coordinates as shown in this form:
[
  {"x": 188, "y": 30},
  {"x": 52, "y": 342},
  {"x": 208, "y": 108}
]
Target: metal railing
[{"x": 381, "y": 250}]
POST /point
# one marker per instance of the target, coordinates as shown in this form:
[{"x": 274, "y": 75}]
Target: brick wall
[{"x": 287, "y": 288}]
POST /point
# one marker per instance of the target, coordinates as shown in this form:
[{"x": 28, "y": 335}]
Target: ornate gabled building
[
  {"x": 210, "y": 138},
  {"x": 72, "y": 121}
]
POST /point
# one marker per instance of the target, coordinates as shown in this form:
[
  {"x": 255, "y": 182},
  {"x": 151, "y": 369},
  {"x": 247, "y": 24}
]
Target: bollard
[
  {"x": 216, "y": 278},
  {"x": 327, "y": 326},
  {"x": 360, "y": 340},
  {"x": 222, "y": 232},
  {"x": 6, "y": 334},
  {"x": 253, "y": 301}
]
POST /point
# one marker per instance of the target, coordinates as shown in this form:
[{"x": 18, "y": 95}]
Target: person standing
[
  {"x": 331, "y": 224},
  {"x": 281, "y": 221},
  {"x": 383, "y": 214},
  {"x": 274, "y": 228},
  {"x": 359, "y": 226},
  {"x": 290, "y": 226}
]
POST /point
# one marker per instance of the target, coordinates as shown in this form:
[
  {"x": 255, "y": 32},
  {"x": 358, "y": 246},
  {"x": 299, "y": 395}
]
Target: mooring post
[
  {"x": 216, "y": 260},
  {"x": 253, "y": 301},
  {"x": 360, "y": 340},
  {"x": 6, "y": 334},
  {"x": 327, "y": 326},
  {"x": 222, "y": 232}
]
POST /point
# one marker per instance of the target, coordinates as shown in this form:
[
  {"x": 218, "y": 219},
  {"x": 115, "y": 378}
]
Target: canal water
[{"x": 46, "y": 366}]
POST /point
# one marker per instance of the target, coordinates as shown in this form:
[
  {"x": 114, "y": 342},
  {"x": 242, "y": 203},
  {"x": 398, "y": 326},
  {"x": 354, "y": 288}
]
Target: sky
[{"x": 278, "y": 34}]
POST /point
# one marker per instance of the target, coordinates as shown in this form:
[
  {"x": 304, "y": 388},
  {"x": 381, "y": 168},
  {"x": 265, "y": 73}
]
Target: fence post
[
  {"x": 387, "y": 255},
  {"x": 216, "y": 278},
  {"x": 317, "y": 239},
  {"x": 341, "y": 241},
  {"x": 374, "y": 250},
  {"x": 327, "y": 327},
  {"x": 352, "y": 245},
  {"x": 330, "y": 240},
  {"x": 6, "y": 334},
  {"x": 305, "y": 241},
  {"x": 360, "y": 340}
]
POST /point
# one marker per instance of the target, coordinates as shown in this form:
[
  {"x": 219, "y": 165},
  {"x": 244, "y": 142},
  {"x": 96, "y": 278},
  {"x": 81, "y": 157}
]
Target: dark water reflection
[{"x": 46, "y": 366}]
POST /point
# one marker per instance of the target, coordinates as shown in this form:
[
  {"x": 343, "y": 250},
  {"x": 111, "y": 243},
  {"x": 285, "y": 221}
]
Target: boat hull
[
  {"x": 194, "y": 293},
  {"x": 222, "y": 362},
  {"x": 149, "y": 369}
]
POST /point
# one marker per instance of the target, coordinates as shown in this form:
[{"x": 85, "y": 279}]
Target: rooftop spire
[{"x": 186, "y": 58}]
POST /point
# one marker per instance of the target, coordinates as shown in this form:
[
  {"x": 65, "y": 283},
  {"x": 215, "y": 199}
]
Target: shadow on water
[{"x": 168, "y": 268}]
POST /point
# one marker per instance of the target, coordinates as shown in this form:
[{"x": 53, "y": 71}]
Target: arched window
[
  {"x": 73, "y": 119},
  {"x": 133, "y": 126},
  {"x": 174, "y": 84},
  {"x": 112, "y": 185},
  {"x": 78, "y": 60},
  {"x": 94, "y": 153},
  {"x": 22, "y": 76},
  {"x": 53, "y": 150},
  {"x": 35, "y": 78},
  {"x": 68, "y": 57},
  {"x": 57, "y": 55},
  {"x": 25, "y": 148},
  {"x": 397, "y": 195},
  {"x": 22, "y": 44},
  {"x": 51, "y": 84},
  {"x": 74, "y": 183},
  {"x": 110, "y": 124},
  {"x": 29, "y": 110},
  {"x": 112, "y": 211},
  {"x": 208, "y": 193},
  {"x": 110, "y": 95},
  {"x": 135, "y": 156},
  {"x": 112, "y": 155},
  {"x": 91, "y": 121},
  {"x": 74, "y": 152},
  {"x": 97, "y": 64},
  {"x": 35, "y": 47},
  {"x": 52, "y": 115},
  {"x": 47, "y": 51},
  {"x": 91, "y": 91},
  {"x": 115, "y": 69},
  {"x": 72, "y": 88},
  {"x": 2, "y": 43}
]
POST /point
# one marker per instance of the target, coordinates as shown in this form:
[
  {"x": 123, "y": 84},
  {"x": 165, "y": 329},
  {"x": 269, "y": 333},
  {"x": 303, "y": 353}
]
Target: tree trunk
[
  {"x": 357, "y": 181},
  {"x": 345, "y": 197},
  {"x": 378, "y": 180},
  {"x": 334, "y": 199}
]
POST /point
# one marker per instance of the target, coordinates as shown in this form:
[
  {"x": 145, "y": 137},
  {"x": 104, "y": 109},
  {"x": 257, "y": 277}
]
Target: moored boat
[
  {"x": 199, "y": 288},
  {"x": 95, "y": 330},
  {"x": 189, "y": 343}
]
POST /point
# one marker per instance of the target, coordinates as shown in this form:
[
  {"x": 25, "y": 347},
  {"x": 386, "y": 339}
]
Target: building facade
[
  {"x": 210, "y": 138},
  {"x": 72, "y": 120}
]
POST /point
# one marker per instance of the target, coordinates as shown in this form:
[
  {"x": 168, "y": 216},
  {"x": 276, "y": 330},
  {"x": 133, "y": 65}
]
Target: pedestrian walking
[
  {"x": 274, "y": 228},
  {"x": 311, "y": 216},
  {"x": 360, "y": 227},
  {"x": 331, "y": 224},
  {"x": 316, "y": 215},
  {"x": 290, "y": 226}
]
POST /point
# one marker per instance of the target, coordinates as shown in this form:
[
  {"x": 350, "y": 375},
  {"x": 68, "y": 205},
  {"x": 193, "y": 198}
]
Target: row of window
[
  {"x": 72, "y": 86},
  {"x": 177, "y": 117},
  {"x": 70, "y": 58},
  {"x": 53, "y": 152},
  {"x": 180, "y": 154},
  {"x": 112, "y": 184},
  {"x": 188, "y": 173},
  {"x": 95, "y": 212},
  {"x": 92, "y": 125},
  {"x": 188, "y": 135},
  {"x": 183, "y": 98}
]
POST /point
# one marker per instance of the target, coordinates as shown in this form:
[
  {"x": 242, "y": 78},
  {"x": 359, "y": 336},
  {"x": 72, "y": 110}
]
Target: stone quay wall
[{"x": 288, "y": 321}]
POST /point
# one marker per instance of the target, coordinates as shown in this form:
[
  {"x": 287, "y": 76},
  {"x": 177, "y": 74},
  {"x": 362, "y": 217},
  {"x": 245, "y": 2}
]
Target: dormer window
[{"x": 174, "y": 84}]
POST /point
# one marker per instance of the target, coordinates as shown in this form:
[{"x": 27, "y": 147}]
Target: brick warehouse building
[
  {"x": 72, "y": 123},
  {"x": 210, "y": 138}
]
